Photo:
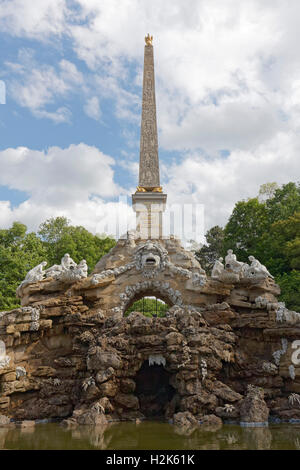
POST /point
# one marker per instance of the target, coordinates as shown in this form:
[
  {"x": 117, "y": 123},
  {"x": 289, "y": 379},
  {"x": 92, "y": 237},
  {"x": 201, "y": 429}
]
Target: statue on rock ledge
[
  {"x": 235, "y": 270},
  {"x": 256, "y": 269},
  {"x": 67, "y": 271}
]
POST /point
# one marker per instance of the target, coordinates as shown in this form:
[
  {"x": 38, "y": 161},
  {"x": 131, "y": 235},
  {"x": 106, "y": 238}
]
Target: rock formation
[{"x": 69, "y": 351}]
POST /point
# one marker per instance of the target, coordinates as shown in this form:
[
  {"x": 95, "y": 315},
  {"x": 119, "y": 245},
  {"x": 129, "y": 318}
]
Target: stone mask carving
[{"x": 150, "y": 258}]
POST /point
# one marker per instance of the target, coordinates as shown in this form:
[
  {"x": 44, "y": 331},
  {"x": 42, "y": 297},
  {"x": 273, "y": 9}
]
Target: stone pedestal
[{"x": 149, "y": 208}]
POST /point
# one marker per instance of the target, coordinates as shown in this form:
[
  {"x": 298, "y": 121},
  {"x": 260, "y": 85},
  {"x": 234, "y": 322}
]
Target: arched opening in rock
[
  {"x": 153, "y": 389},
  {"x": 150, "y": 306}
]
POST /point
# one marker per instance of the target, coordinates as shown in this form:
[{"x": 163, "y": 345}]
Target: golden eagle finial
[{"x": 148, "y": 40}]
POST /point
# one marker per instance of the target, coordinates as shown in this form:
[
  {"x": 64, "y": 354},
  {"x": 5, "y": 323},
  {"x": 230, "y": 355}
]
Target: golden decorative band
[{"x": 157, "y": 189}]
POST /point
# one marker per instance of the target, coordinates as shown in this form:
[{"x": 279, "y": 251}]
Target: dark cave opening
[{"x": 153, "y": 390}]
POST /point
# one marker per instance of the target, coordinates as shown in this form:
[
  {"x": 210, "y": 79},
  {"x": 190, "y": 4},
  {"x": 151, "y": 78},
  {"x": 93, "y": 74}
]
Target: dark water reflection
[{"x": 150, "y": 435}]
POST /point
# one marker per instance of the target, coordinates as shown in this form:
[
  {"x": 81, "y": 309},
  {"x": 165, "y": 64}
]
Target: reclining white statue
[
  {"x": 67, "y": 271},
  {"x": 236, "y": 270}
]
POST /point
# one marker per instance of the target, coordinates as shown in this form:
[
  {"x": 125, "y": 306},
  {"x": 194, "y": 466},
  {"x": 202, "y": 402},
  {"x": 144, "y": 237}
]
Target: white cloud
[
  {"x": 220, "y": 182},
  {"x": 33, "y": 19},
  {"x": 35, "y": 85},
  {"x": 225, "y": 70},
  {"x": 92, "y": 108},
  {"x": 77, "y": 171},
  {"x": 227, "y": 77},
  {"x": 74, "y": 182}
]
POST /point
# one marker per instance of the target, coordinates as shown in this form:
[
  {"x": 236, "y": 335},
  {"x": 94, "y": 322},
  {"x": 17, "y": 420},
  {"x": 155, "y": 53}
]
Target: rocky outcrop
[
  {"x": 70, "y": 353},
  {"x": 254, "y": 408},
  {"x": 4, "y": 421}
]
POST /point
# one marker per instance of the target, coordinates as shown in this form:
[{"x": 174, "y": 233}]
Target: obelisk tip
[{"x": 148, "y": 40}]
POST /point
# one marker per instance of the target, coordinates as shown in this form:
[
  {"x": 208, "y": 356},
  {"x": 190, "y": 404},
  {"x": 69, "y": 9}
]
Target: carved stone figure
[
  {"x": 4, "y": 359},
  {"x": 36, "y": 274},
  {"x": 257, "y": 270},
  {"x": 54, "y": 271},
  {"x": 150, "y": 258},
  {"x": 232, "y": 263},
  {"x": 67, "y": 262},
  {"x": 82, "y": 268},
  {"x": 132, "y": 235},
  {"x": 68, "y": 270},
  {"x": 218, "y": 269}
]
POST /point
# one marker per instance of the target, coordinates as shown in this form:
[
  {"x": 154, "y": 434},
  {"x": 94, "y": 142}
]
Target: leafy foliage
[
  {"x": 208, "y": 254},
  {"x": 290, "y": 287},
  {"x": 59, "y": 238},
  {"x": 270, "y": 231},
  {"x": 267, "y": 227},
  {"x": 21, "y": 251},
  {"x": 148, "y": 307}
]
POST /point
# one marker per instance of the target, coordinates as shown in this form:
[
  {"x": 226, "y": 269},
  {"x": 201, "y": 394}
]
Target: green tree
[
  {"x": 19, "y": 252},
  {"x": 245, "y": 228},
  {"x": 148, "y": 307},
  {"x": 279, "y": 247},
  {"x": 290, "y": 289},
  {"x": 284, "y": 203},
  {"x": 266, "y": 191},
  {"x": 208, "y": 254},
  {"x": 270, "y": 230},
  {"x": 59, "y": 238}
]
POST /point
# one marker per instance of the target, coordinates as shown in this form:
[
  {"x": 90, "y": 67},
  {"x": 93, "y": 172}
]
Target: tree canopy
[
  {"x": 20, "y": 251},
  {"x": 267, "y": 227}
]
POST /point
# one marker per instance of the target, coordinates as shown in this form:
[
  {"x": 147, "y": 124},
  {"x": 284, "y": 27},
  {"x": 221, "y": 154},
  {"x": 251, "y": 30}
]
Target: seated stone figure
[
  {"x": 218, "y": 268},
  {"x": 232, "y": 263},
  {"x": 54, "y": 271},
  {"x": 36, "y": 274},
  {"x": 257, "y": 270},
  {"x": 68, "y": 270},
  {"x": 83, "y": 268},
  {"x": 67, "y": 262}
]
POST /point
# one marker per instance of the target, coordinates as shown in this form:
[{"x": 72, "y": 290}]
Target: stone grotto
[{"x": 226, "y": 350}]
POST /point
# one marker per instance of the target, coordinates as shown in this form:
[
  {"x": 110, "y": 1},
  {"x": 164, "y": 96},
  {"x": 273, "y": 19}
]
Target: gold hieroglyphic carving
[{"x": 149, "y": 166}]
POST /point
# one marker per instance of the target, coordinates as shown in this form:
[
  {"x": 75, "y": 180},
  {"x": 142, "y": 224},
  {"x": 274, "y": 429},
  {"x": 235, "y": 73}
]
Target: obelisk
[{"x": 149, "y": 201}]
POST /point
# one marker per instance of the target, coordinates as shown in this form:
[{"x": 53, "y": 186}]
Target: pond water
[{"x": 150, "y": 435}]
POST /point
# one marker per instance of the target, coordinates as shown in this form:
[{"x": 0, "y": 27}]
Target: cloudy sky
[{"x": 227, "y": 91}]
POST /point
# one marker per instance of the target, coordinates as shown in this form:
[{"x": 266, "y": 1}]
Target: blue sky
[{"x": 227, "y": 87}]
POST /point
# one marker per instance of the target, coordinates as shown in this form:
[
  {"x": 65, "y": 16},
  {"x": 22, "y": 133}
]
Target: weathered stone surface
[
  {"x": 254, "y": 408},
  {"x": 127, "y": 385},
  {"x": 103, "y": 376},
  {"x": 100, "y": 359},
  {"x": 4, "y": 421},
  {"x": 92, "y": 417},
  {"x": 186, "y": 420},
  {"x": 127, "y": 400},
  {"x": 216, "y": 338},
  {"x": 211, "y": 422},
  {"x": 109, "y": 388},
  {"x": 223, "y": 391}
]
